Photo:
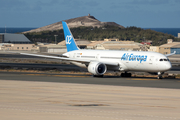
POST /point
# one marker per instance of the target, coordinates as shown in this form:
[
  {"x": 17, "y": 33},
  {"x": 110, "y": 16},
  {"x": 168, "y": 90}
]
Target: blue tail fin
[{"x": 70, "y": 42}]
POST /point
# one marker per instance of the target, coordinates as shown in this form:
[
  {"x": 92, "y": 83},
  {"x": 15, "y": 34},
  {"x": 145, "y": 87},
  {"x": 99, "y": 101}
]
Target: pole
[{"x": 55, "y": 38}]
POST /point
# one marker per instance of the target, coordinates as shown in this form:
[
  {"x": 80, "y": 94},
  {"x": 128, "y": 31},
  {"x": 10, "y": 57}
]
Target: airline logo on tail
[
  {"x": 68, "y": 39},
  {"x": 70, "y": 42}
]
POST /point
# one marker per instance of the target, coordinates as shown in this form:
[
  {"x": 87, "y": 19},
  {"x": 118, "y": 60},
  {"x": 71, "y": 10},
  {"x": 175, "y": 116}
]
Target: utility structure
[{"x": 55, "y": 38}]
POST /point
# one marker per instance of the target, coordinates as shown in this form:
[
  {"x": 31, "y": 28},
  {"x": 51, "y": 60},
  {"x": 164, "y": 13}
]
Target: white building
[{"x": 178, "y": 35}]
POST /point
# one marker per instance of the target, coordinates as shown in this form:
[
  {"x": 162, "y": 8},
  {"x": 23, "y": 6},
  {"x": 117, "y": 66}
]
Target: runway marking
[
  {"x": 140, "y": 79},
  {"x": 55, "y": 75}
]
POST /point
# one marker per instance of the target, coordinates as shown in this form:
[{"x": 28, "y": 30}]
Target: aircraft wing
[
  {"x": 70, "y": 59},
  {"x": 170, "y": 54}
]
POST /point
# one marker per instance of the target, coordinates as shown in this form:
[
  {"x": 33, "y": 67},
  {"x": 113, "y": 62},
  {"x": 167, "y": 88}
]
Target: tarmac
[
  {"x": 35, "y": 96},
  {"x": 43, "y": 96}
]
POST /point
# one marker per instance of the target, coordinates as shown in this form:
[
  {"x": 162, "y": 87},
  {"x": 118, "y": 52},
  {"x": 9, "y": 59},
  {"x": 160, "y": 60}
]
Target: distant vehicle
[{"x": 99, "y": 61}]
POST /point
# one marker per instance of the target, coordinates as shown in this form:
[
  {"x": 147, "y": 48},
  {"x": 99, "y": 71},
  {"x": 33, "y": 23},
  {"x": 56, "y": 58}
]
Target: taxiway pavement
[{"x": 88, "y": 79}]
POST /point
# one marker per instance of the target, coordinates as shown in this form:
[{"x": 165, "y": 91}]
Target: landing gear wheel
[
  {"x": 159, "y": 77},
  {"x": 122, "y": 74},
  {"x": 129, "y": 74},
  {"x": 125, "y": 74}
]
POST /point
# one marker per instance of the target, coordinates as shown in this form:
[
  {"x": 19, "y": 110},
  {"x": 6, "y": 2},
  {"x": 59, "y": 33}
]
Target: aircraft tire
[
  {"x": 159, "y": 77},
  {"x": 125, "y": 74},
  {"x": 122, "y": 74},
  {"x": 129, "y": 74}
]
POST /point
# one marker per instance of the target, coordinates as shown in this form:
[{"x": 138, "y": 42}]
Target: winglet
[
  {"x": 70, "y": 42},
  {"x": 170, "y": 54}
]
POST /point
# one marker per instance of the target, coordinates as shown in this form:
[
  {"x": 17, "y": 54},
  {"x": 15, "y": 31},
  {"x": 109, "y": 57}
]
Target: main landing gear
[{"x": 125, "y": 74}]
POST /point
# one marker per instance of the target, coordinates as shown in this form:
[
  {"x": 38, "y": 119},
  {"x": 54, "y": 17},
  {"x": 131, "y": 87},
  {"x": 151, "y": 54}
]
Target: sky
[{"x": 139, "y": 13}]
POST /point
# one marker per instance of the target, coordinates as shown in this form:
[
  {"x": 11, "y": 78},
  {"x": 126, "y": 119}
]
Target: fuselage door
[
  {"x": 98, "y": 57},
  {"x": 74, "y": 55},
  {"x": 151, "y": 60}
]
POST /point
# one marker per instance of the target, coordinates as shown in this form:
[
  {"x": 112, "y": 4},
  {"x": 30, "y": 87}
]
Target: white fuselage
[{"x": 127, "y": 60}]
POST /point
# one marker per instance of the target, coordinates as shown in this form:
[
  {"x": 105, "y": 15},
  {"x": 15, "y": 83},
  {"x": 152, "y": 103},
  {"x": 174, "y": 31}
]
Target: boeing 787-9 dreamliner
[{"x": 99, "y": 61}]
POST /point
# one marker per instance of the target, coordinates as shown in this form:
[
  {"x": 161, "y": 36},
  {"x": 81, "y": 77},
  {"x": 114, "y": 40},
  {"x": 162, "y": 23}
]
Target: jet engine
[{"x": 97, "y": 68}]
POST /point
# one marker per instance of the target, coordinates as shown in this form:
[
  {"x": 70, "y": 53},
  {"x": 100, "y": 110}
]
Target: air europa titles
[{"x": 132, "y": 57}]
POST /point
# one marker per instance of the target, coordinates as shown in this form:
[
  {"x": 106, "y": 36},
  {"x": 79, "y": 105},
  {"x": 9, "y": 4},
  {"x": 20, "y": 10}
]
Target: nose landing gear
[{"x": 160, "y": 75}]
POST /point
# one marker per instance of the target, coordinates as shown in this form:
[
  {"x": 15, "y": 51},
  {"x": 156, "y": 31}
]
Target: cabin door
[
  {"x": 98, "y": 57},
  {"x": 151, "y": 60},
  {"x": 74, "y": 55}
]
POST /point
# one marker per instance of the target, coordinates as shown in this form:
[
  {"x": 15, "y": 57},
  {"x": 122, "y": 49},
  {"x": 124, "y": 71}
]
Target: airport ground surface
[
  {"x": 65, "y": 96},
  {"x": 29, "y": 96},
  {"x": 170, "y": 83}
]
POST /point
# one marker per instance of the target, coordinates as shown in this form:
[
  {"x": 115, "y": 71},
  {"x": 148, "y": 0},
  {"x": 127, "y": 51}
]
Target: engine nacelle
[{"x": 97, "y": 68}]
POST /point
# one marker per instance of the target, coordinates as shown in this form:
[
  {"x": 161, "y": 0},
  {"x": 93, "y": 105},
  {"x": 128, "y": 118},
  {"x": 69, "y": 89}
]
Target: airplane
[{"x": 98, "y": 62}]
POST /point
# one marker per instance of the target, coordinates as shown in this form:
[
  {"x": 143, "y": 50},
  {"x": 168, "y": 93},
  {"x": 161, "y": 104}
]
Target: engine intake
[{"x": 97, "y": 68}]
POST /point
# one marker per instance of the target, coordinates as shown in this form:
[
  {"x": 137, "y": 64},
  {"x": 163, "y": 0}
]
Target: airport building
[
  {"x": 170, "y": 47},
  {"x": 111, "y": 39},
  {"x": 51, "y": 48},
  {"x": 80, "y": 43},
  {"x": 154, "y": 48},
  {"x": 109, "y": 44},
  {"x": 15, "y": 42},
  {"x": 117, "y": 45},
  {"x": 14, "y": 38},
  {"x": 16, "y": 47},
  {"x": 96, "y": 45}
]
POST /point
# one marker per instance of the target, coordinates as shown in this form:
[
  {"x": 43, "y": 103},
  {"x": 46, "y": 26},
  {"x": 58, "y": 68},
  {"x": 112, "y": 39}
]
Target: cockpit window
[{"x": 163, "y": 59}]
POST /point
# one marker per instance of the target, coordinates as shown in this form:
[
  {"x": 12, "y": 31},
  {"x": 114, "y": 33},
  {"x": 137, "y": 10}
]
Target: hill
[
  {"x": 86, "y": 21},
  {"x": 108, "y": 31},
  {"x": 89, "y": 28}
]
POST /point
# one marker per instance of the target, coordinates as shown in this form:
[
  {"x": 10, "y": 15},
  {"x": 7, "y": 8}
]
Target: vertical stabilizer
[{"x": 70, "y": 42}]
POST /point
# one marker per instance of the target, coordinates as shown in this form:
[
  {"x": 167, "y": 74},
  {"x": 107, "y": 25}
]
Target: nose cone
[{"x": 168, "y": 66}]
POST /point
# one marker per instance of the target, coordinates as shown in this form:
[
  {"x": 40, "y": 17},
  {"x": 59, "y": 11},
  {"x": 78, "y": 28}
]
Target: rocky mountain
[{"x": 75, "y": 22}]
